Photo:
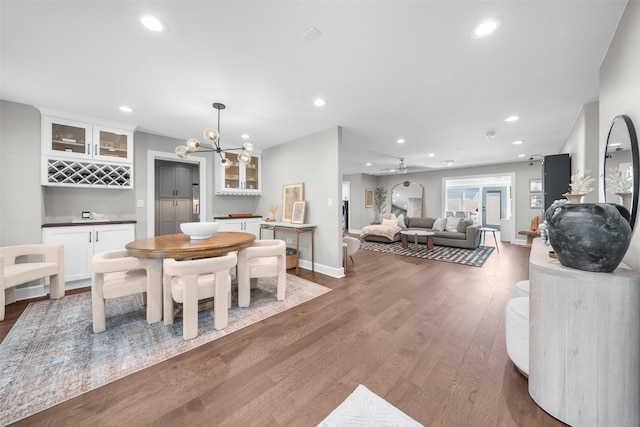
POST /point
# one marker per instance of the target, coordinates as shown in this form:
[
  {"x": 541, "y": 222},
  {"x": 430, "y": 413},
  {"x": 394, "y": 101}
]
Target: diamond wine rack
[{"x": 74, "y": 173}]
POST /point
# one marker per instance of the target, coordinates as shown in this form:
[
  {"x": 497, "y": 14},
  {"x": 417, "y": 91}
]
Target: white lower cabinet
[
  {"x": 246, "y": 225},
  {"x": 81, "y": 242}
]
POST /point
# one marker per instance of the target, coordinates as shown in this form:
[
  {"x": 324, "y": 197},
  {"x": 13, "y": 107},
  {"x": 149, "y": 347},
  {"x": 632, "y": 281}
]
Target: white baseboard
[
  {"x": 336, "y": 273},
  {"x": 39, "y": 290}
]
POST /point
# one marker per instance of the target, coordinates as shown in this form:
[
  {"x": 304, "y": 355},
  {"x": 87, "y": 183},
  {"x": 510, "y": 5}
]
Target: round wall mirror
[
  {"x": 621, "y": 166},
  {"x": 406, "y": 198}
]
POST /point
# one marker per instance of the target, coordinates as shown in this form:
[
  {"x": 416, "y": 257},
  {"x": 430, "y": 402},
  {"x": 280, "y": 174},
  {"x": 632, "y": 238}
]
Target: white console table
[{"x": 584, "y": 342}]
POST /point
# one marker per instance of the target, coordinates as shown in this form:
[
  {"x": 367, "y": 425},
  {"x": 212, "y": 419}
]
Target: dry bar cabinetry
[
  {"x": 81, "y": 241},
  {"x": 239, "y": 179},
  {"x": 584, "y": 342},
  {"x": 244, "y": 224},
  {"x": 83, "y": 153}
]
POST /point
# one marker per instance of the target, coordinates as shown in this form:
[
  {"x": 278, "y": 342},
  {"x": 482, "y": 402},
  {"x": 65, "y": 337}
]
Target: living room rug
[
  {"x": 52, "y": 355},
  {"x": 474, "y": 257},
  {"x": 365, "y": 408}
]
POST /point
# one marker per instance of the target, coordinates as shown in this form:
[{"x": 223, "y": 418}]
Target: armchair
[
  {"x": 266, "y": 258},
  {"x": 115, "y": 274},
  {"x": 189, "y": 281},
  {"x": 12, "y": 274}
]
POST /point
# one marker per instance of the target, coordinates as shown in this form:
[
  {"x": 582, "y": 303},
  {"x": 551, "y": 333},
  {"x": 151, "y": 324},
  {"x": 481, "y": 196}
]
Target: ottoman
[{"x": 517, "y": 333}]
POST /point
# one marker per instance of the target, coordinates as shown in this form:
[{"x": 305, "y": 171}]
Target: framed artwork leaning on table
[
  {"x": 291, "y": 193},
  {"x": 299, "y": 209}
]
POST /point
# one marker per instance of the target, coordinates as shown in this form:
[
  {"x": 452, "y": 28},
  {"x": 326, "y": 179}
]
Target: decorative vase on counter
[
  {"x": 574, "y": 198},
  {"x": 589, "y": 236}
]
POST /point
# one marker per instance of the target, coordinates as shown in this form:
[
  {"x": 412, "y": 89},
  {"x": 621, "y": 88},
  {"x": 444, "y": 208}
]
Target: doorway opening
[
  {"x": 177, "y": 196},
  {"x": 199, "y": 165}
]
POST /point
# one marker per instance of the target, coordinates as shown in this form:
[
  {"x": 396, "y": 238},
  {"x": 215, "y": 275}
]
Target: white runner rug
[{"x": 365, "y": 408}]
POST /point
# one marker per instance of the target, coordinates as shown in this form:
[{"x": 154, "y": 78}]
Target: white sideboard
[
  {"x": 82, "y": 241},
  {"x": 246, "y": 225},
  {"x": 584, "y": 342}
]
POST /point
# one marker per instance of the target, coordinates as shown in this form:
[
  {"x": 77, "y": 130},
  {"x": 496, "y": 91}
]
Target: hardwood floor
[{"x": 427, "y": 336}]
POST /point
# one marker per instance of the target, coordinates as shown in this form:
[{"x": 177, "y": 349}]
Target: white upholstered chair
[
  {"x": 116, "y": 275},
  {"x": 12, "y": 274},
  {"x": 189, "y": 281},
  {"x": 266, "y": 258},
  {"x": 352, "y": 246}
]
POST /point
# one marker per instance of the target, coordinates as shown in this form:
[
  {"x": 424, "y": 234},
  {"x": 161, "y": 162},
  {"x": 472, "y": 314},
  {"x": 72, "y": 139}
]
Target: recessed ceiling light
[
  {"x": 490, "y": 134},
  {"x": 245, "y": 136},
  {"x": 319, "y": 102},
  {"x": 522, "y": 155},
  {"x": 448, "y": 162},
  {"x": 368, "y": 163},
  {"x": 126, "y": 109},
  {"x": 400, "y": 141},
  {"x": 153, "y": 23},
  {"x": 512, "y": 119},
  {"x": 430, "y": 155},
  {"x": 518, "y": 142},
  {"x": 486, "y": 28}
]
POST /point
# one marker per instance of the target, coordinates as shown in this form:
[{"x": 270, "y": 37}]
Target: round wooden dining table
[{"x": 179, "y": 246}]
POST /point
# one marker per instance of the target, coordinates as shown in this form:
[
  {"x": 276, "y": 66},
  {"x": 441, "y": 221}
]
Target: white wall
[
  {"x": 583, "y": 145},
  {"x": 316, "y": 161},
  {"x": 620, "y": 92},
  {"x": 21, "y": 201}
]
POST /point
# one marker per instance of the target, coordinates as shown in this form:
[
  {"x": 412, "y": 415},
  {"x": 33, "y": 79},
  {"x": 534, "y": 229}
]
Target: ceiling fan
[{"x": 401, "y": 169}]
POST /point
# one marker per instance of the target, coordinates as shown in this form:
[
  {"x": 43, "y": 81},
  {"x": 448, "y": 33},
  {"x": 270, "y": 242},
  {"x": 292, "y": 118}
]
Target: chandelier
[{"x": 213, "y": 135}]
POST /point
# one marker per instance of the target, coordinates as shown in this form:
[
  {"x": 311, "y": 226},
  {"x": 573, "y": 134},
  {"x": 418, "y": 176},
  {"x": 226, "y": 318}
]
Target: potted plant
[{"x": 380, "y": 200}]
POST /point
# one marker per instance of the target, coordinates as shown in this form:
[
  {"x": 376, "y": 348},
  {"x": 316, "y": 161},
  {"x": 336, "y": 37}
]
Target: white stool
[
  {"x": 521, "y": 289},
  {"x": 517, "y": 333}
]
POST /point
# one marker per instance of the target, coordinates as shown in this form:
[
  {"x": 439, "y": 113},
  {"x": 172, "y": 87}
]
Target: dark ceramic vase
[{"x": 589, "y": 236}]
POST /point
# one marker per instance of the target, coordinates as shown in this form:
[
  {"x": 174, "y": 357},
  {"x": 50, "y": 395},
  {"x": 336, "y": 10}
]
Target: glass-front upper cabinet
[
  {"x": 112, "y": 144},
  {"x": 81, "y": 140},
  {"x": 239, "y": 178},
  {"x": 66, "y": 137}
]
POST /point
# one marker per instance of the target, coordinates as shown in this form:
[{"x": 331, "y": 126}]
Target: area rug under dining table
[
  {"x": 51, "y": 354},
  {"x": 474, "y": 257}
]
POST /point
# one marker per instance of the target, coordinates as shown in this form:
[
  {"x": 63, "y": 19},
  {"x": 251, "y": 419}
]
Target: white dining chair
[
  {"x": 115, "y": 274},
  {"x": 40, "y": 261},
  {"x": 189, "y": 281},
  {"x": 266, "y": 258}
]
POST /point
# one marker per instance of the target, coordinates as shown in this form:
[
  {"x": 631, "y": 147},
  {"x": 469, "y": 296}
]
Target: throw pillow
[
  {"x": 462, "y": 225},
  {"x": 393, "y": 222},
  {"x": 452, "y": 224},
  {"x": 439, "y": 224},
  {"x": 382, "y": 217},
  {"x": 401, "y": 223}
]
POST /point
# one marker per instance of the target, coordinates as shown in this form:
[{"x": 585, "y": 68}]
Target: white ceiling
[{"x": 387, "y": 69}]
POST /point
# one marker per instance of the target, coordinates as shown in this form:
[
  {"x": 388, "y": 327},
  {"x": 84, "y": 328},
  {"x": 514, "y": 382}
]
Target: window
[
  {"x": 454, "y": 199},
  {"x": 471, "y": 200}
]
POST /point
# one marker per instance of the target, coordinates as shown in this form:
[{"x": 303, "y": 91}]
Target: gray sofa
[{"x": 467, "y": 235}]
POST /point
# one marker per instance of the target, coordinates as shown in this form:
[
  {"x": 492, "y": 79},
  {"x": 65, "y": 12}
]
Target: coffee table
[{"x": 417, "y": 233}]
